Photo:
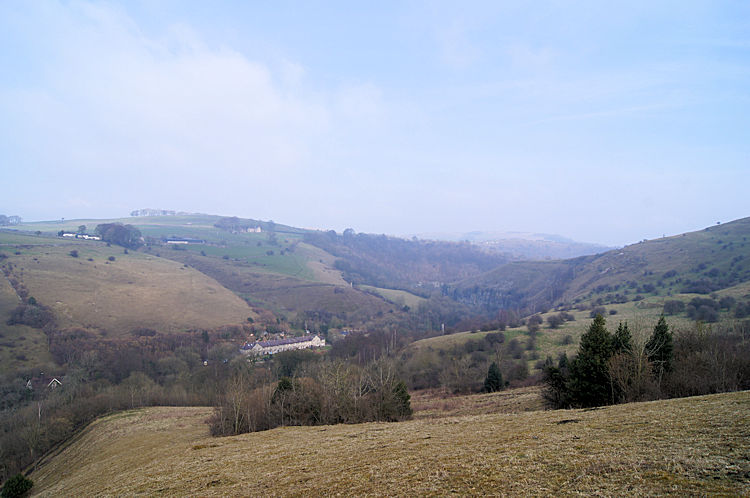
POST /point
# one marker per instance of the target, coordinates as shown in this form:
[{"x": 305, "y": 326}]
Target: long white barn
[{"x": 279, "y": 345}]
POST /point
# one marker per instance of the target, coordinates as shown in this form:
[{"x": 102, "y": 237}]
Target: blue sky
[{"x": 604, "y": 123}]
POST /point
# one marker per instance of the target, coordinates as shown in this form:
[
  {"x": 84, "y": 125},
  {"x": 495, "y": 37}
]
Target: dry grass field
[
  {"x": 134, "y": 290},
  {"x": 691, "y": 446},
  {"x": 20, "y": 346}
]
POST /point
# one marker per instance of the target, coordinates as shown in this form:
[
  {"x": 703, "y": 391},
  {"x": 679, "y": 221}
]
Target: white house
[{"x": 277, "y": 346}]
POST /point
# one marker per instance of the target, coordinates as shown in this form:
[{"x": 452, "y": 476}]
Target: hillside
[
  {"x": 105, "y": 288},
  {"x": 700, "y": 262},
  {"x": 296, "y": 273},
  {"x": 395, "y": 263},
  {"x": 683, "y": 446}
]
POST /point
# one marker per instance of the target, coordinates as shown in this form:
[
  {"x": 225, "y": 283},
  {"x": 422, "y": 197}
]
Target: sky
[{"x": 605, "y": 122}]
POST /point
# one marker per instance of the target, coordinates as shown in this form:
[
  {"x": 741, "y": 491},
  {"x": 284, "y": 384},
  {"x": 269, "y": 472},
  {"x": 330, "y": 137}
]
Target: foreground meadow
[{"x": 695, "y": 445}]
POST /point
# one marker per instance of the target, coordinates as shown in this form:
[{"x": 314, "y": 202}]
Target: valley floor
[{"x": 684, "y": 446}]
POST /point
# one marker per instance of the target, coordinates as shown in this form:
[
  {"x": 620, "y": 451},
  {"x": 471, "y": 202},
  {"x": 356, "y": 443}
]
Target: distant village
[{"x": 273, "y": 346}]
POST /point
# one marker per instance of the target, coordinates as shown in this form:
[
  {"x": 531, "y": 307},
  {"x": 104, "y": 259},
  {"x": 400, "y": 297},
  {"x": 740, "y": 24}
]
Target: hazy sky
[{"x": 606, "y": 122}]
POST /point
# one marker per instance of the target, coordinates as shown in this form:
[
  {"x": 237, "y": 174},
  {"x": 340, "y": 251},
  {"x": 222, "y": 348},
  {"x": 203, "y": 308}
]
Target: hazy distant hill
[
  {"x": 701, "y": 262},
  {"x": 523, "y": 245},
  {"x": 394, "y": 262}
]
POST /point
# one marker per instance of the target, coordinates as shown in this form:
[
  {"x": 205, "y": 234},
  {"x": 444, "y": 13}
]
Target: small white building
[{"x": 279, "y": 345}]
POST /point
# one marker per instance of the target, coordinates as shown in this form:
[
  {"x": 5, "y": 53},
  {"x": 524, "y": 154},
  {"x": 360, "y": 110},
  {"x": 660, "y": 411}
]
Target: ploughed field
[{"x": 697, "y": 445}]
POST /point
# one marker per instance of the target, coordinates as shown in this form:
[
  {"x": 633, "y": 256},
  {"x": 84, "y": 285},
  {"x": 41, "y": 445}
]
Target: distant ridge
[
  {"x": 701, "y": 262},
  {"x": 522, "y": 245}
]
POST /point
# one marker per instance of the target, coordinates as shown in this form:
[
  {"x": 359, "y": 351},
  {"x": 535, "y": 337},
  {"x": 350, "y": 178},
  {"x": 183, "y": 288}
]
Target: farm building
[
  {"x": 279, "y": 345},
  {"x": 184, "y": 240}
]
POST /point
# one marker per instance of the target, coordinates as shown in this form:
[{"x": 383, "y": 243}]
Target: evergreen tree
[
  {"x": 16, "y": 486},
  {"x": 403, "y": 400},
  {"x": 660, "y": 348},
  {"x": 622, "y": 341},
  {"x": 494, "y": 380},
  {"x": 555, "y": 379},
  {"x": 589, "y": 383}
]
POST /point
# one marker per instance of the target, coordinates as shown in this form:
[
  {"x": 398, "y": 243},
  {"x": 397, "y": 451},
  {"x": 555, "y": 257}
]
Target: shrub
[
  {"x": 703, "y": 309},
  {"x": 598, "y": 310},
  {"x": 74, "y": 253},
  {"x": 18, "y": 485},
  {"x": 673, "y": 307},
  {"x": 494, "y": 338},
  {"x": 568, "y": 317},
  {"x": 111, "y": 258},
  {"x": 36, "y": 316},
  {"x": 742, "y": 310},
  {"x": 555, "y": 321},
  {"x": 727, "y": 302},
  {"x": 494, "y": 380}
]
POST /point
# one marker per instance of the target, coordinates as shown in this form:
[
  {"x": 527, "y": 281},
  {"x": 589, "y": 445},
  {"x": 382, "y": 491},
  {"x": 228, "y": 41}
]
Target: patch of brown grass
[
  {"x": 135, "y": 290},
  {"x": 433, "y": 403},
  {"x": 695, "y": 445}
]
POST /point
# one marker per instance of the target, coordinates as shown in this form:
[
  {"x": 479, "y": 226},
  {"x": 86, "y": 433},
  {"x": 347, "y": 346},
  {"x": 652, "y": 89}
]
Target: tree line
[
  {"x": 617, "y": 367},
  {"x": 318, "y": 391}
]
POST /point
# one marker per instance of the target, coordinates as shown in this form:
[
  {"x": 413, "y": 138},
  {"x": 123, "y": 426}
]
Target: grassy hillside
[
  {"x": 192, "y": 225},
  {"x": 273, "y": 270},
  {"x": 288, "y": 295},
  {"x": 250, "y": 247},
  {"x": 684, "y": 446},
  {"x": 705, "y": 261},
  {"x": 21, "y": 347},
  {"x": 641, "y": 316},
  {"x": 132, "y": 290}
]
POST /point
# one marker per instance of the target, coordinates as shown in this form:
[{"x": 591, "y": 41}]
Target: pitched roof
[{"x": 278, "y": 342}]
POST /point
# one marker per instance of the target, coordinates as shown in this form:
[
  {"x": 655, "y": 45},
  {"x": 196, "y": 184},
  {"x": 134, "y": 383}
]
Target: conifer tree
[
  {"x": 659, "y": 347},
  {"x": 622, "y": 341},
  {"x": 402, "y": 398},
  {"x": 555, "y": 378},
  {"x": 589, "y": 383},
  {"x": 494, "y": 380}
]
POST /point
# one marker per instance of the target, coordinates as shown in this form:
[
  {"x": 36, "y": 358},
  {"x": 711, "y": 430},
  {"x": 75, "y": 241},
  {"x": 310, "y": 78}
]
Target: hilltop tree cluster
[{"x": 122, "y": 235}]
